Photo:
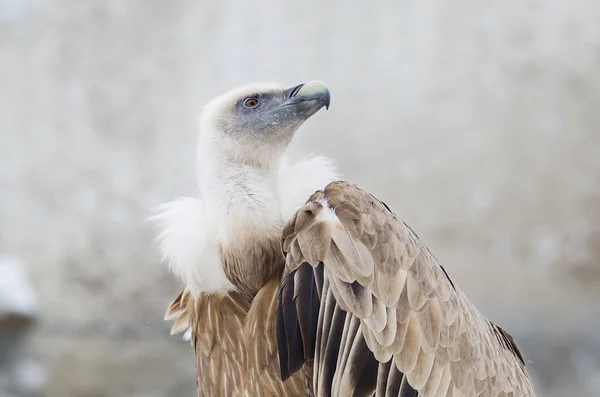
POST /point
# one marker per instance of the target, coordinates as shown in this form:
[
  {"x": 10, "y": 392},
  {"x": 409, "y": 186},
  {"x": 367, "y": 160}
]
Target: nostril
[{"x": 295, "y": 90}]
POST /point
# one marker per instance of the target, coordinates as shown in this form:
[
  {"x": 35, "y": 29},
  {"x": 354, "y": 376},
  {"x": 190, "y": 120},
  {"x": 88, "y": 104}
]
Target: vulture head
[
  {"x": 247, "y": 185},
  {"x": 254, "y": 124}
]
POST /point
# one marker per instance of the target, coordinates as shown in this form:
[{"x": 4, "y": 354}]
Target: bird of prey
[{"x": 300, "y": 284}]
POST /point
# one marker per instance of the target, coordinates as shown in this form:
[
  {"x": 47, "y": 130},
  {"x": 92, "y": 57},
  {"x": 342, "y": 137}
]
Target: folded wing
[{"x": 367, "y": 305}]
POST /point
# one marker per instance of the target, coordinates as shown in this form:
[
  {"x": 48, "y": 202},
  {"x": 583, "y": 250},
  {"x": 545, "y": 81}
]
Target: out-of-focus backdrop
[{"x": 477, "y": 121}]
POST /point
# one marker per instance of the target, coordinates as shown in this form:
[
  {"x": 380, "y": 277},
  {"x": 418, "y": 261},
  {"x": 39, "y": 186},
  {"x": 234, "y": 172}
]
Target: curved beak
[
  {"x": 299, "y": 103},
  {"x": 304, "y": 100},
  {"x": 315, "y": 92}
]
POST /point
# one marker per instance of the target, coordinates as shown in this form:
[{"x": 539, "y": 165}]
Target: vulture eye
[{"x": 251, "y": 103}]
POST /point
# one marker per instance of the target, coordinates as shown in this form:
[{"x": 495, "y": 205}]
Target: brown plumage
[
  {"x": 334, "y": 296},
  {"x": 405, "y": 326},
  {"x": 233, "y": 332}
]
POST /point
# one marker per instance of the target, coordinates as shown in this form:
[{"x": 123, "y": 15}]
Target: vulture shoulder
[{"x": 368, "y": 306}]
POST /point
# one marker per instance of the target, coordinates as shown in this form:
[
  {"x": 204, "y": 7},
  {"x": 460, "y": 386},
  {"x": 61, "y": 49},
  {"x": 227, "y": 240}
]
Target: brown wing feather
[
  {"x": 180, "y": 310},
  {"x": 408, "y": 309},
  {"x": 261, "y": 347}
]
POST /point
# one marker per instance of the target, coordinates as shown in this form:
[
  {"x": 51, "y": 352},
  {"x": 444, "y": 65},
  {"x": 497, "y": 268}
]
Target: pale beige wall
[{"x": 476, "y": 121}]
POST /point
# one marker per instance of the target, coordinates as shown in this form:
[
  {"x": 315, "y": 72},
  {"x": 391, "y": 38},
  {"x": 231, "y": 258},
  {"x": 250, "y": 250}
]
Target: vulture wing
[{"x": 366, "y": 304}]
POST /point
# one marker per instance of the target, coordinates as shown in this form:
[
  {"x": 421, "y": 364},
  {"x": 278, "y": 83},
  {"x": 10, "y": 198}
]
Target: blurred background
[{"x": 477, "y": 121}]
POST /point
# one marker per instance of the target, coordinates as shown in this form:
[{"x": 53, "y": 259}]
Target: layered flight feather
[{"x": 367, "y": 305}]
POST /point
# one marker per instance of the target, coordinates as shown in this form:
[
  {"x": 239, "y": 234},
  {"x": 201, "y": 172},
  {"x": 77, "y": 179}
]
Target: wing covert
[{"x": 389, "y": 321}]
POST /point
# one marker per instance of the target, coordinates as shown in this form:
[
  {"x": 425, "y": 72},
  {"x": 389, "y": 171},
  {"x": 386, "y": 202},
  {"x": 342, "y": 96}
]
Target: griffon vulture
[{"x": 299, "y": 284}]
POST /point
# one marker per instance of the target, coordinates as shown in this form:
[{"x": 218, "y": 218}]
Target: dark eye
[{"x": 251, "y": 103}]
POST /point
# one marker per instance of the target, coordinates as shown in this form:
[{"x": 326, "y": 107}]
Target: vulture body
[{"x": 300, "y": 284}]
